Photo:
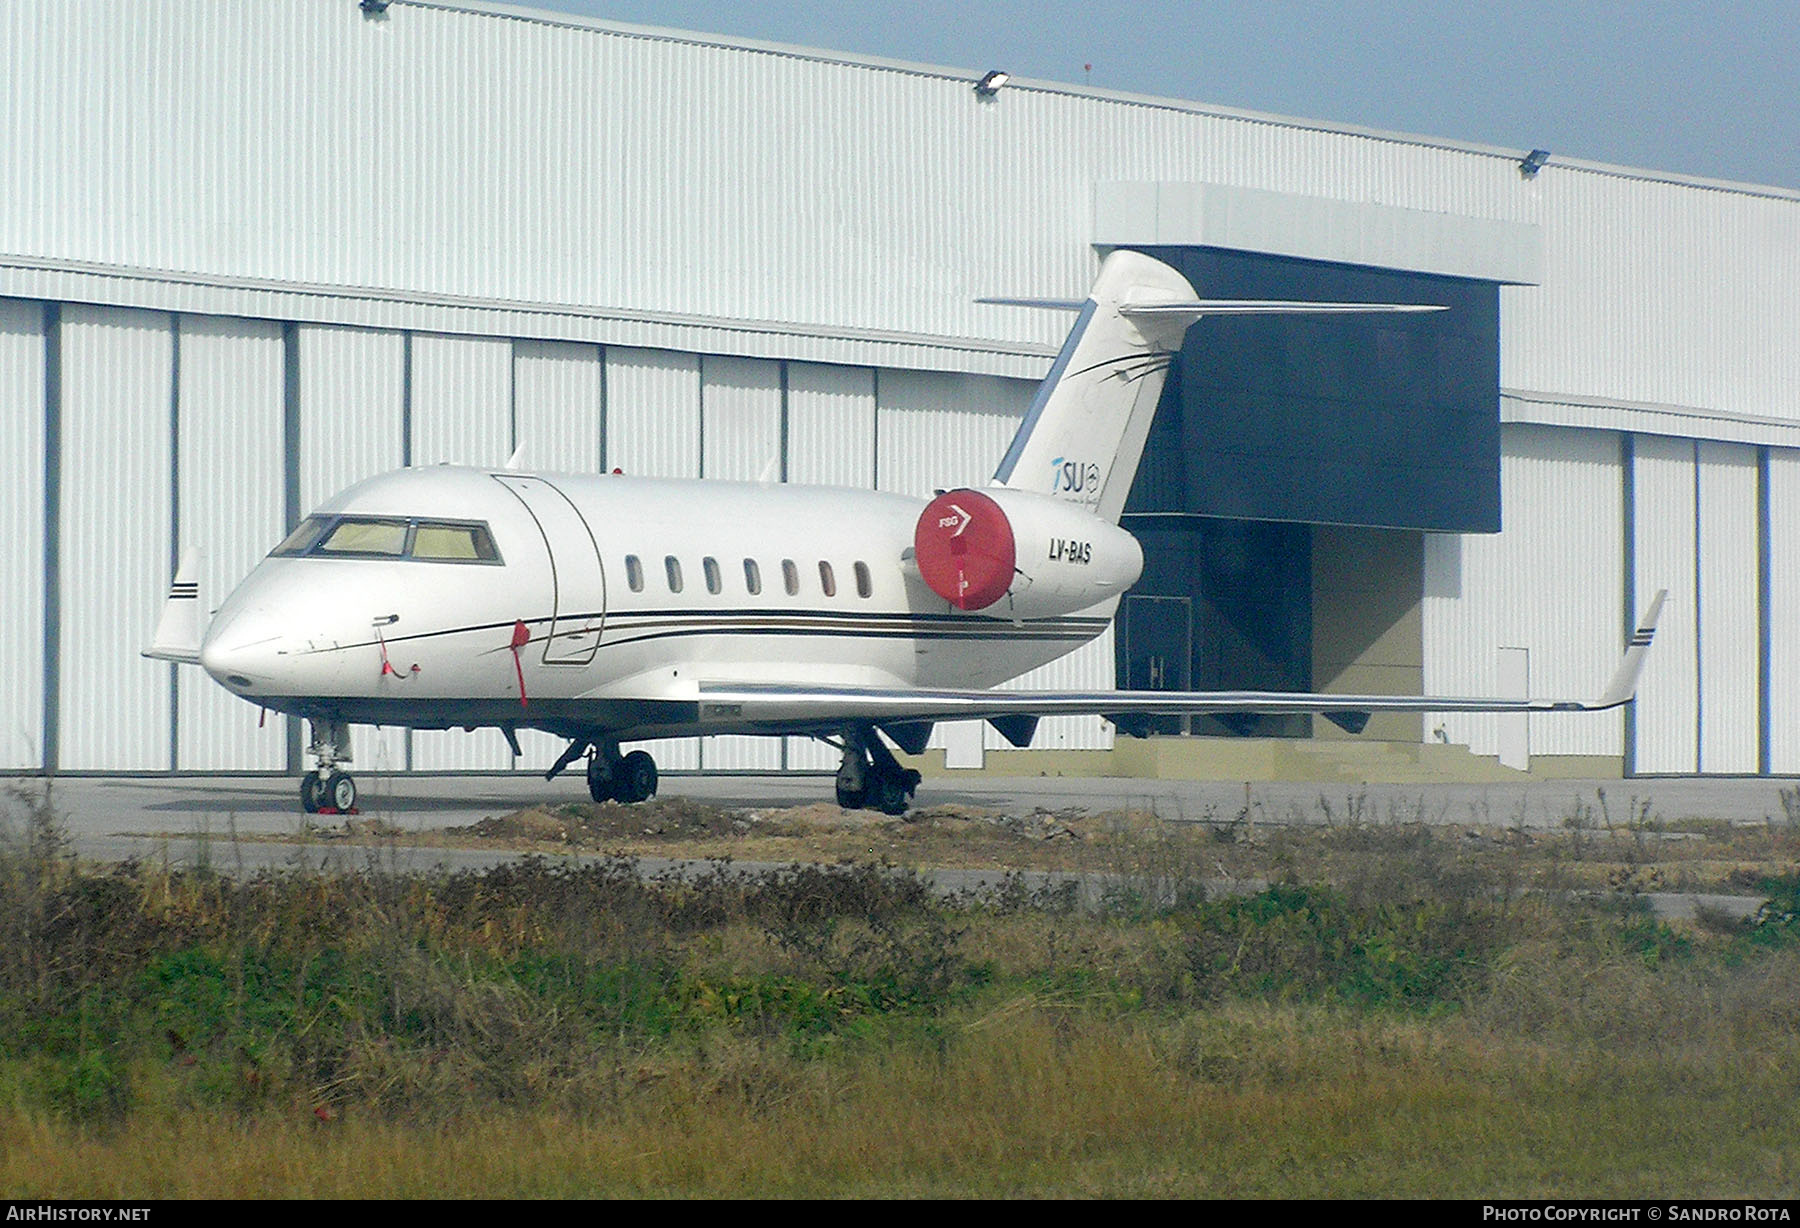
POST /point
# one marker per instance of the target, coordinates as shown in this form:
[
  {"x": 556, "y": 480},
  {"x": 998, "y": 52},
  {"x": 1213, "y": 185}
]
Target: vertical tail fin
[{"x": 1084, "y": 434}]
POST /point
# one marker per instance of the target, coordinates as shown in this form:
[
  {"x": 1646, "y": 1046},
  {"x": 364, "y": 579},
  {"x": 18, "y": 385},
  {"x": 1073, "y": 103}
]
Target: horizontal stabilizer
[
  {"x": 1195, "y": 308},
  {"x": 178, "y": 630}
]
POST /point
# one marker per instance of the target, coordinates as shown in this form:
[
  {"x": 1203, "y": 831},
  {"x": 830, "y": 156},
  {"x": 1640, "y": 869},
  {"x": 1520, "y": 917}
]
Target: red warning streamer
[{"x": 521, "y": 637}]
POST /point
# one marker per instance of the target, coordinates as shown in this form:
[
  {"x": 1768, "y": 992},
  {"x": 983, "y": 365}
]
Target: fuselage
[{"x": 586, "y": 604}]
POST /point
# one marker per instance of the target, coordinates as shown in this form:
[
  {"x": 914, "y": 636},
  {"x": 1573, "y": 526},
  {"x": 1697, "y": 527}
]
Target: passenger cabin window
[
  {"x": 390, "y": 537},
  {"x": 634, "y": 573},
  {"x": 672, "y": 568},
  {"x": 710, "y": 566},
  {"x": 752, "y": 577},
  {"x": 827, "y": 581},
  {"x": 790, "y": 577},
  {"x": 865, "y": 587}
]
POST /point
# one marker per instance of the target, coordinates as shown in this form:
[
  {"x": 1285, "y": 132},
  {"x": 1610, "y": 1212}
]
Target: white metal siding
[
  {"x": 559, "y": 402},
  {"x": 1664, "y": 517},
  {"x": 831, "y": 425},
  {"x": 740, "y": 429},
  {"x": 114, "y": 536},
  {"x": 352, "y": 385},
  {"x": 937, "y": 431},
  {"x": 1550, "y": 582},
  {"x": 1784, "y": 611},
  {"x": 228, "y": 505},
  {"x": 1730, "y": 655},
  {"x": 653, "y": 413},
  {"x": 22, "y": 512},
  {"x": 461, "y": 400}
]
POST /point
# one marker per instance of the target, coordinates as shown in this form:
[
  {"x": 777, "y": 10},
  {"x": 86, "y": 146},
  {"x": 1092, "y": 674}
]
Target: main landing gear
[
  {"x": 870, "y": 778},
  {"x": 326, "y": 790},
  {"x": 611, "y": 777}
]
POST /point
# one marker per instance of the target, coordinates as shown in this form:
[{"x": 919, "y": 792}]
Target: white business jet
[{"x": 611, "y": 609}]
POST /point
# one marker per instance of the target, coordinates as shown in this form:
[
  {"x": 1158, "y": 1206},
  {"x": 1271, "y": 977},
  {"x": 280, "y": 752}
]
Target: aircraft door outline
[{"x": 577, "y": 576}]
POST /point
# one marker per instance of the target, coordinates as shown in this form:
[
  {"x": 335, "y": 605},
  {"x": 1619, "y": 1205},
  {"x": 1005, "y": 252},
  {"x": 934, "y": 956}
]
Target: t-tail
[{"x": 1084, "y": 434}]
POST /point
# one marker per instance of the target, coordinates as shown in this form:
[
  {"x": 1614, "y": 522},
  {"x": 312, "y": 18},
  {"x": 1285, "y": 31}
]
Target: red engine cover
[{"x": 965, "y": 551}]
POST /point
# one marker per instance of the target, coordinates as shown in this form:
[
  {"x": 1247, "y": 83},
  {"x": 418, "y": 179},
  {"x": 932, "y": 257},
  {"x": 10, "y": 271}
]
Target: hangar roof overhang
[{"x": 1139, "y": 214}]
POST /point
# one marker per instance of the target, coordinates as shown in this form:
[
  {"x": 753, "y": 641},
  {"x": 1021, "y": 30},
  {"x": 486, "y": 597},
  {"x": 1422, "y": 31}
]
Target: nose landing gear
[{"x": 326, "y": 790}]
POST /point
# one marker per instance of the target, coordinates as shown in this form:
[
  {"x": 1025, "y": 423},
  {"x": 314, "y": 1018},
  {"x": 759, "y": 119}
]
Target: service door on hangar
[
  {"x": 580, "y": 586},
  {"x": 1158, "y": 639}
]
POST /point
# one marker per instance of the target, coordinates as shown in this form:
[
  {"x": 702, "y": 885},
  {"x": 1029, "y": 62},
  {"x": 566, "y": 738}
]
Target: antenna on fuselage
[{"x": 512, "y": 462}]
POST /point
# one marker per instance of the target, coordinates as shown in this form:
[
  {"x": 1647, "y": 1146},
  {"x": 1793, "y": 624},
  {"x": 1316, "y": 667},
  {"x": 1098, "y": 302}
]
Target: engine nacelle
[{"x": 1028, "y": 555}]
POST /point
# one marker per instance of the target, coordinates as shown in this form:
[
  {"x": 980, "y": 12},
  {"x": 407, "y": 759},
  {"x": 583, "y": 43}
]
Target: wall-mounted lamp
[
  {"x": 373, "y": 8},
  {"x": 1533, "y": 162},
  {"x": 990, "y": 84}
]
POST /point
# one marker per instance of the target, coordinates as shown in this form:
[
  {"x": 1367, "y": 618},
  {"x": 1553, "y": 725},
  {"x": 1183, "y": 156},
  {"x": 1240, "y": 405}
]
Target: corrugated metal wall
[
  {"x": 230, "y": 504},
  {"x": 113, "y": 537},
  {"x": 1730, "y": 658},
  {"x": 22, "y": 512},
  {"x": 1783, "y": 638},
  {"x": 1550, "y": 583},
  {"x": 1664, "y": 507},
  {"x": 560, "y": 391}
]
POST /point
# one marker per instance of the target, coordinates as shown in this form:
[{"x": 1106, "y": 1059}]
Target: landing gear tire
[
  {"x": 637, "y": 777},
  {"x": 887, "y": 793},
  {"x": 312, "y": 793},
  {"x": 340, "y": 792},
  {"x": 870, "y": 778},
  {"x": 603, "y": 782}
]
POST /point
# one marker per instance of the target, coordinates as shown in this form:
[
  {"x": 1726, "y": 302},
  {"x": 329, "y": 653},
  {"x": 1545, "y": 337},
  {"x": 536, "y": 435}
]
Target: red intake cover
[{"x": 964, "y": 547}]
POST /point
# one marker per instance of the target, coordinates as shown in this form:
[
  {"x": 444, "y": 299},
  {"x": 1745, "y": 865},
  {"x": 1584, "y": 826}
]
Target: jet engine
[{"x": 1021, "y": 555}]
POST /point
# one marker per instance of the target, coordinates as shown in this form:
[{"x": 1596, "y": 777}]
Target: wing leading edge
[{"x": 825, "y": 706}]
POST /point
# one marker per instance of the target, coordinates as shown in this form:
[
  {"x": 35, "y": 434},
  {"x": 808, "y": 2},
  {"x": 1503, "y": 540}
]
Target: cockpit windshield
[{"x": 390, "y": 537}]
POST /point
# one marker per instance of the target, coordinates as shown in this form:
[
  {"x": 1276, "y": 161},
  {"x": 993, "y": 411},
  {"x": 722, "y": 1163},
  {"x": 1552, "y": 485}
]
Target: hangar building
[{"x": 252, "y": 253}]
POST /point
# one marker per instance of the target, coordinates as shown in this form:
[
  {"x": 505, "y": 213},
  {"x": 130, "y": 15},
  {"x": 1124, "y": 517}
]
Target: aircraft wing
[{"x": 797, "y": 707}]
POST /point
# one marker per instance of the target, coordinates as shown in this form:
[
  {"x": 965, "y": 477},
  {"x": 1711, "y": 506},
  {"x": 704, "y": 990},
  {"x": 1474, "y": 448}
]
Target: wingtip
[{"x": 1623, "y": 687}]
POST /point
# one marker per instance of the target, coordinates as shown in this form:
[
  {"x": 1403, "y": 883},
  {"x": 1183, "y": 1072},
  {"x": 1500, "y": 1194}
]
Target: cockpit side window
[
  {"x": 303, "y": 538},
  {"x": 459, "y": 542},
  {"x": 357, "y": 536},
  {"x": 391, "y": 537}
]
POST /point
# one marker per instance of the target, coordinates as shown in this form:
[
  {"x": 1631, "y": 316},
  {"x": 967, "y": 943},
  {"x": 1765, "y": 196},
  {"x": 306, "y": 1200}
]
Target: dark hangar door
[{"x": 1272, "y": 425}]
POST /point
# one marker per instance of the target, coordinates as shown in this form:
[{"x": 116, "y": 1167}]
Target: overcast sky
[{"x": 1710, "y": 89}]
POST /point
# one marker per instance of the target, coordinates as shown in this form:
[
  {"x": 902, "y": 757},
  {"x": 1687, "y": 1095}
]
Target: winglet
[
  {"x": 178, "y": 631},
  {"x": 1625, "y": 679}
]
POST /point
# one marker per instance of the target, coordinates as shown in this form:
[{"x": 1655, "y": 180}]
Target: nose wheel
[
  {"x": 328, "y": 793},
  {"x": 326, "y": 790}
]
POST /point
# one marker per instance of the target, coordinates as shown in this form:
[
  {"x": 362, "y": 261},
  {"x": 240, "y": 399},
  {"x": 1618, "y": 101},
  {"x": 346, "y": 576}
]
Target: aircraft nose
[{"x": 240, "y": 653}]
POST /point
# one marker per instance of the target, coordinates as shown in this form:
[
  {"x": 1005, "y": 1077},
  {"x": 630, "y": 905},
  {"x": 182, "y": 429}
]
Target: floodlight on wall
[
  {"x": 373, "y": 8},
  {"x": 1533, "y": 162},
  {"x": 991, "y": 83}
]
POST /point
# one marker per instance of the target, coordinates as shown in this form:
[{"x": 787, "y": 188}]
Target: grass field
[{"x": 1401, "y": 1010}]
